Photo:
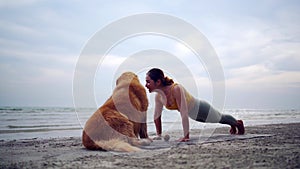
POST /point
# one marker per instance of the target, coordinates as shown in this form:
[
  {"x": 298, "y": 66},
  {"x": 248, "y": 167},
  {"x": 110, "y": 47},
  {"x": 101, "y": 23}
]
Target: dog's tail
[
  {"x": 116, "y": 145},
  {"x": 109, "y": 145}
]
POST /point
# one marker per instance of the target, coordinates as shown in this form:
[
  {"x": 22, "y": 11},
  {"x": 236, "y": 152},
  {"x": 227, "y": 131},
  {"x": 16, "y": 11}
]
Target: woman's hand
[{"x": 150, "y": 139}]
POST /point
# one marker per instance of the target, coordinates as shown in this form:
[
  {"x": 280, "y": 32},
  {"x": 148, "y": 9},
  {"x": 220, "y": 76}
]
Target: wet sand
[{"x": 269, "y": 146}]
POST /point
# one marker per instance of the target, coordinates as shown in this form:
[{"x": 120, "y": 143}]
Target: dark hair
[{"x": 156, "y": 74}]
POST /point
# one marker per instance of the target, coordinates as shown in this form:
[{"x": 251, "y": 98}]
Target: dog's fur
[{"x": 120, "y": 123}]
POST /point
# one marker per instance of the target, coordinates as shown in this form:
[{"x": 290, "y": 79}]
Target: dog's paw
[{"x": 145, "y": 142}]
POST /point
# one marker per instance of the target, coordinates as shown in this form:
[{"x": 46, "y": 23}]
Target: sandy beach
[{"x": 268, "y": 146}]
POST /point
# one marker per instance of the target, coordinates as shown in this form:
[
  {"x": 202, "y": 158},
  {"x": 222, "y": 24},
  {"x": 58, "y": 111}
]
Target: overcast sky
[{"x": 257, "y": 42}]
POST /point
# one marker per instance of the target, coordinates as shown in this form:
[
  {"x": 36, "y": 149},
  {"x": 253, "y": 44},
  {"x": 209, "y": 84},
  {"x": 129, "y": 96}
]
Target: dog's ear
[
  {"x": 126, "y": 78},
  {"x": 139, "y": 92}
]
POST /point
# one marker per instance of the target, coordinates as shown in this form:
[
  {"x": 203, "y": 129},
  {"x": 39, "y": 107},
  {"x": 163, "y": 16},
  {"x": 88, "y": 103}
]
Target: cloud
[
  {"x": 40, "y": 41},
  {"x": 16, "y": 3},
  {"x": 112, "y": 61},
  {"x": 260, "y": 77},
  {"x": 283, "y": 55},
  {"x": 254, "y": 49}
]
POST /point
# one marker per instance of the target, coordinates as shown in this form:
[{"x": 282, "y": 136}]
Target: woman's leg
[{"x": 207, "y": 113}]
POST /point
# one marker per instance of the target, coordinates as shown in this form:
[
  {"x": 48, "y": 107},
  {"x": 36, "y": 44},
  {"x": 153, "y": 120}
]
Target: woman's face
[{"x": 150, "y": 84}]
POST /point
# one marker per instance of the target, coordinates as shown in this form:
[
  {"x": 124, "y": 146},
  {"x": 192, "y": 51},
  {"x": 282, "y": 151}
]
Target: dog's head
[
  {"x": 129, "y": 91},
  {"x": 126, "y": 78}
]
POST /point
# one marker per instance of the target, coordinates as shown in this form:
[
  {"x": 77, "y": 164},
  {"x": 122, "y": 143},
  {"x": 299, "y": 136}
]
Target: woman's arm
[
  {"x": 179, "y": 95},
  {"x": 157, "y": 114}
]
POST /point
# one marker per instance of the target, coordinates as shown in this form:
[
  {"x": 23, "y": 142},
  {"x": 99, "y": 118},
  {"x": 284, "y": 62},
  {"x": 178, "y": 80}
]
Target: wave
[
  {"x": 38, "y": 130},
  {"x": 39, "y": 126},
  {"x": 26, "y": 122},
  {"x": 11, "y": 109}
]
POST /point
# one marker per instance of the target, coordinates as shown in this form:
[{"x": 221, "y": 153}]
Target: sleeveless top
[{"x": 174, "y": 105}]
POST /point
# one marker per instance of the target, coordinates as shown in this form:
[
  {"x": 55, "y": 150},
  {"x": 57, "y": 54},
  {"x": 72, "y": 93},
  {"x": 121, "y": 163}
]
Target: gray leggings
[{"x": 204, "y": 112}]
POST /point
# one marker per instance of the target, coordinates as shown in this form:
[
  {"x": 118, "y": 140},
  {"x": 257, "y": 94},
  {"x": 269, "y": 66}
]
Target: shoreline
[
  {"x": 263, "y": 146},
  {"x": 57, "y": 133}
]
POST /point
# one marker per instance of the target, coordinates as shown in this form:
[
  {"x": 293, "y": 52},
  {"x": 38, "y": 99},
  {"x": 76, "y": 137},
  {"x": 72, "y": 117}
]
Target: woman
[{"x": 174, "y": 97}]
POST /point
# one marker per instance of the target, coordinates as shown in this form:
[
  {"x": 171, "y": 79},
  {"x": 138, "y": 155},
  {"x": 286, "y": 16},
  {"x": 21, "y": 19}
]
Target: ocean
[{"x": 54, "y": 122}]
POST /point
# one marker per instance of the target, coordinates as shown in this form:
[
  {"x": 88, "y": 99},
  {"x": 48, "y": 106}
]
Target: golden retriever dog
[{"x": 120, "y": 124}]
